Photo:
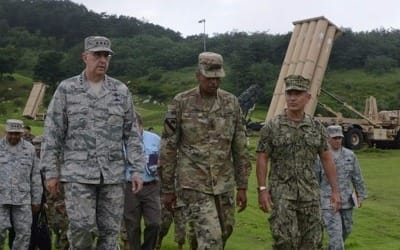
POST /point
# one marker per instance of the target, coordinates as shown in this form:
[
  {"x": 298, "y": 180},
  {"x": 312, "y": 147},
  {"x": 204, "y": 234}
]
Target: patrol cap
[
  {"x": 14, "y": 125},
  {"x": 37, "y": 141},
  {"x": 97, "y": 43},
  {"x": 297, "y": 82},
  {"x": 211, "y": 64},
  {"x": 335, "y": 131}
]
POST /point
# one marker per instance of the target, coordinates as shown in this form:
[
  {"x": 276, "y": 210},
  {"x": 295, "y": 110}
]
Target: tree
[
  {"x": 48, "y": 68},
  {"x": 9, "y": 57}
]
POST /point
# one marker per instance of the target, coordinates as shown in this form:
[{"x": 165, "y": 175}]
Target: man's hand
[
  {"x": 241, "y": 199},
  {"x": 169, "y": 201},
  {"x": 52, "y": 186},
  {"x": 335, "y": 201},
  {"x": 264, "y": 200},
  {"x": 35, "y": 208},
  {"x": 137, "y": 184}
]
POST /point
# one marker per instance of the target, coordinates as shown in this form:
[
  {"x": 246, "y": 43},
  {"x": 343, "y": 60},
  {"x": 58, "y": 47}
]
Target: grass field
[{"x": 376, "y": 224}]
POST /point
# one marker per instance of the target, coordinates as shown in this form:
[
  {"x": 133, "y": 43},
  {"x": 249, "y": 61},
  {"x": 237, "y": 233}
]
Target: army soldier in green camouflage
[
  {"x": 292, "y": 141},
  {"x": 20, "y": 184},
  {"x": 204, "y": 145},
  {"x": 338, "y": 225},
  {"x": 55, "y": 208},
  {"x": 90, "y": 117}
]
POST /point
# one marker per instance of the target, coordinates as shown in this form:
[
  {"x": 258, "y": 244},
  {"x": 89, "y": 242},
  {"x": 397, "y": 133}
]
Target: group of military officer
[{"x": 203, "y": 163}]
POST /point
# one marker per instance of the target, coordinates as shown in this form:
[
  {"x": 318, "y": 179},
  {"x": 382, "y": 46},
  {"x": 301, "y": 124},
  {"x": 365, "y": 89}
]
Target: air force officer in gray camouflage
[
  {"x": 20, "y": 184},
  {"x": 88, "y": 120},
  {"x": 338, "y": 225}
]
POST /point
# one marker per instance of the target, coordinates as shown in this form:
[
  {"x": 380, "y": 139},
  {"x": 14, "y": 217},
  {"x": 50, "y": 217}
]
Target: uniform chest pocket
[
  {"x": 115, "y": 115},
  {"x": 77, "y": 116}
]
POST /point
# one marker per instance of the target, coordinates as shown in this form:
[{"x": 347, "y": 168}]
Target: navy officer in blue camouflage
[
  {"x": 292, "y": 140},
  {"x": 89, "y": 119}
]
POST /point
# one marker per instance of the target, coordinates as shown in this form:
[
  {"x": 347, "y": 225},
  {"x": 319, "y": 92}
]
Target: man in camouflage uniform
[
  {"x": 338, "y": 225},
  {"x": 204, "y": 145},
  {"x": 20, "y": 184},
  {"x": 91, "y": 116},
  {"x": 55, "y": 208},
  {"x": 176, "y": 216},
  {"x": 292, "y": 140}
]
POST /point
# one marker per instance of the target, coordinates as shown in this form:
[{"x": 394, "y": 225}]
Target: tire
[{"x": 354, "y": 139}]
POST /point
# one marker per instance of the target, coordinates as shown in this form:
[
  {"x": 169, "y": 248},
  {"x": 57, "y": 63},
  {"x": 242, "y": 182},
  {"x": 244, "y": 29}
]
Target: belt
[{"x": 150, "y": 182}]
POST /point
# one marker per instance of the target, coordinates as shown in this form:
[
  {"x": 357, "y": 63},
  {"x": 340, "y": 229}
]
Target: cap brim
[
  {"x": 213, "y": 73},
  {"x": 15, "y": 130},
  {"x": 295, "y": 88},
  {"x": 336, "y": 135},
  {"x": 101, "y": 49}
]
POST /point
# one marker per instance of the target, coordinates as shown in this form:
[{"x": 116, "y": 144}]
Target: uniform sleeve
[
  {"x": 264, "y": 142},
  {"x": 134, "y": 145},
  {"x": 240, "y": 153},
  {"x": 36, "y": 181},
  {"x": 169, "y": 147},
  {"x": 358, "y": 180},
  {"x": 54, "y": 132}
]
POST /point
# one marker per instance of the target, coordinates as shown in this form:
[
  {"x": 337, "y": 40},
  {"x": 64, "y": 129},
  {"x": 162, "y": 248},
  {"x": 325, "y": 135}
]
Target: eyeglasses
[
  {"x": 100, "y": 54},
  {"x": 337, "y": 137}
]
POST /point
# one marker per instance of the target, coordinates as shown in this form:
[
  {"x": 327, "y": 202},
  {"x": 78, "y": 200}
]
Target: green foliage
[
  {"x": 8, "y": 60},
  {"x": 48, "y": 68},
  {"x": 380, "y": 64}
]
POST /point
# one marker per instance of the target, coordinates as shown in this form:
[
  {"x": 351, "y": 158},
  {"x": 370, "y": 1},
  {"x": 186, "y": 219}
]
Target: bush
[{"x": 379, "y": 64}]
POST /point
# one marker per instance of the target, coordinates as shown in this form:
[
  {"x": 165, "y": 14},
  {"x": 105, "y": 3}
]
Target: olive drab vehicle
[{"x": 307, "y": 55}]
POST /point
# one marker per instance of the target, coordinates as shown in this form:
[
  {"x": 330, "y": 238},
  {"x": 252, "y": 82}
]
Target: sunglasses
[{"x": 99, "y": 54}]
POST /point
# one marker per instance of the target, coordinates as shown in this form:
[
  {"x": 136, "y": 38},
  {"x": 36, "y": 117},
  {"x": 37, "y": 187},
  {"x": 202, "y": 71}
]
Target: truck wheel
[{"x": 354, "y": 139}]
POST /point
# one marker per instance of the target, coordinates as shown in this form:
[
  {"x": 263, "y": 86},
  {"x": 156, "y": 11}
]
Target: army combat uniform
[
  {"x": 204, "y": 142},
  {"x": 349, "y": 175},
  {"x": 89, "y": 130},
  {"x": 20, "y": 187},
  {"x": 292, "y": 148}
]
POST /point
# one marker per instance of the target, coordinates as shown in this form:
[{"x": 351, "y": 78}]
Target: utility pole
[{"x": 204, "y": 32}]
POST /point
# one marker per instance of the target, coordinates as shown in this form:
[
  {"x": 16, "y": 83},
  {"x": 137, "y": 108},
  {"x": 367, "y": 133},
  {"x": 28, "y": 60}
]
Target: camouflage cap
[
  {"x": 297, "y": 82},
  {"x": 211, "y": 64},
  {"x": 335, "y": 131},
  {"x": 97, "y": 43},
  {"x": 14, "y": 125},
  {"x": 37, "y": 141}
]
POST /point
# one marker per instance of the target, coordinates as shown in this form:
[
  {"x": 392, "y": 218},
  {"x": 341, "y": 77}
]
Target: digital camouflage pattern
[
  {"x": 90, "y": 130},
  {"x": 292, "y": 149},
  {"x": 106, "y": 208},
  {"x": 209, "y": 143},
  {"x": 57, "y": 217},
  {"x": 296, "y": 225},
  {"x": 349, "y": 178},
  {"x": 208, "y": 137},
  {"x": 203, "y": 215},
  {"x": 297, "y": 82},
  {"x": 20, "y": 187}
]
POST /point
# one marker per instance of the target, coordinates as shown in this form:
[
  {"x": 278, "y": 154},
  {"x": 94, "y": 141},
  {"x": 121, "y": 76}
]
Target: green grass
[{"x": 376, "y": 224}]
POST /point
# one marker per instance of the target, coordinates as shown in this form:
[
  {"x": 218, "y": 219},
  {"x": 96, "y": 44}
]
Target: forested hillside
[{"x": 42, "y": 39}]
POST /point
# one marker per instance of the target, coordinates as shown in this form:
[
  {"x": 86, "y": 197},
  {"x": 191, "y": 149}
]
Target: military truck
[
  {"x": 379, "y": 129},
  {"x": 307, "y": 55}
]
